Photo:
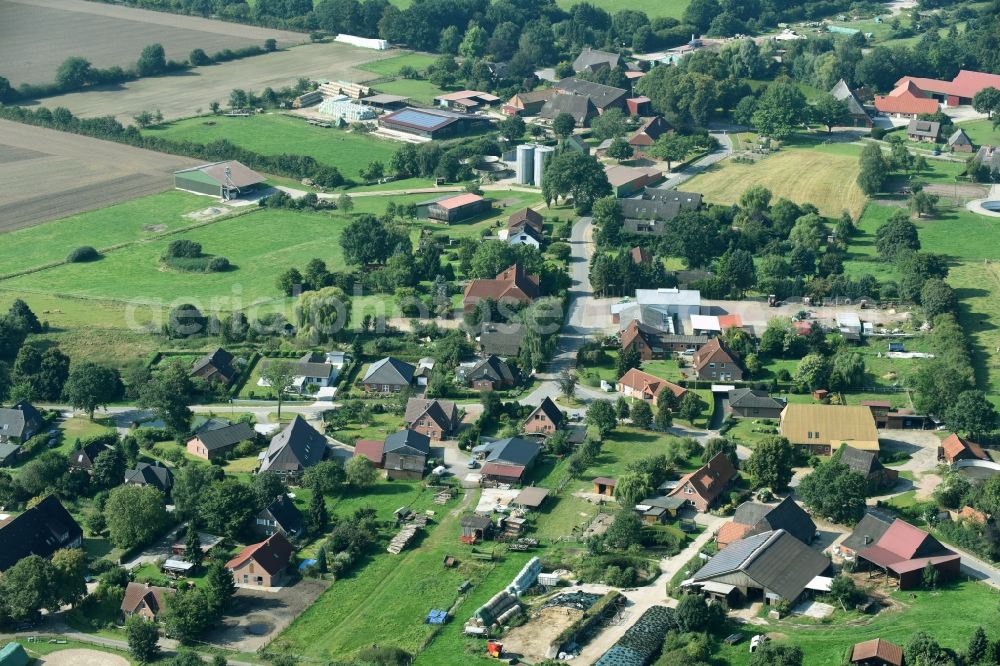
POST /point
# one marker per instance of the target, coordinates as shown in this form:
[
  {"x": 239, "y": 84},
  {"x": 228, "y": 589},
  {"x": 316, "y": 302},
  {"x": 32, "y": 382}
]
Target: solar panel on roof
[{"x": 418, "y": 119}]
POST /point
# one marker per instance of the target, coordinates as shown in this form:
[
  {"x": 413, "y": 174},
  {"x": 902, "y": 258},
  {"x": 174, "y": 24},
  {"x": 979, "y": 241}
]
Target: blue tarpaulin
[
  {"x": 306, "y": 564},
  {"x": 437, "y": 617}
]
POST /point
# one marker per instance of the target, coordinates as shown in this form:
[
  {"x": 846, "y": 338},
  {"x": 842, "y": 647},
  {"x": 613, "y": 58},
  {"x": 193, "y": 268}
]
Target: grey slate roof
[
  {"x": 443, "y": 412},
  {"x": 687, "y": 200},
  {"x": 843, "y": 92},
  {"x": 867, "y": 532},
  {"x": 959, "y": 138},
  {"x": 491, "y": 367},
  {"x": 41, "y": 530},
  {"x": 930, "y": 129},
  {"x": 774, "y": 560},
  {"x": 22, "y": 417},
  {"x": 579, "y": 106},
  {"x": 407, "y": 442},
  {"x": 786, "y": 515},
  {"x": 753, "y": 399},
  {"x": 512, "y": 450},
  {"x": 144, "y": 474},
  {"x": 601, "y": 95},
  {"x": 284, "y": 512},
  {"x": 8, "y": 450},
  {"x": 989, "y": 157},
  {"x": 575, "y": 142},
  {"x": 389, "y": 371},
  {"x": 862, "y": 462},
  {"x": 643, "y": 209},
  {"x": 230, "y": 435},
  {"x": 590, "y": 59},
  {"x": 294, "y": 449}
]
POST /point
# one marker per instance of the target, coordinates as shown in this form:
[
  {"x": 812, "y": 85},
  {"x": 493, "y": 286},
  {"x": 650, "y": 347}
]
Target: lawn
[
  {"x": 824, "y": 176},
  {"x": 391, "y": 66},
  {"x": 276, "y": 134},
  {"x": 139, "y": 219},
  {"x": 981, "y": 132},
  {"x": 950, "y": 615},
  {"x": 653, "y": 8}
]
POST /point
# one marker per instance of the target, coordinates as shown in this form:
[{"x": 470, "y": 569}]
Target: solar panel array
[{"x": 419, "y": 119}]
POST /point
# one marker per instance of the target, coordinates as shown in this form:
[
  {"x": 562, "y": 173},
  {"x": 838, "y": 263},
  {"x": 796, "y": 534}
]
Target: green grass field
[
  {"x": 275, "y": 134},
  {"x": 653, "y": 8},
  {"x": 950, "y": 615},
  {"x": 981, "y": 132},
  {"x": 823, "y": 175}
]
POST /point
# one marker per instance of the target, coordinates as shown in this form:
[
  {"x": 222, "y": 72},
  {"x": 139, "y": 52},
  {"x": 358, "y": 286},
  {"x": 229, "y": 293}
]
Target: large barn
[
  {"x": 431, "y": 123},
  {"x": 227, "y": 180}
]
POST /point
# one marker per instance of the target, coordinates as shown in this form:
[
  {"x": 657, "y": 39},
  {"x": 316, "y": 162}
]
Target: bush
[
  {"x": 878, "y": 133},
  {"x": 184, "y": 248},
  {"x": 218, "y": 265},
  {"x": 82, "y": 254}
]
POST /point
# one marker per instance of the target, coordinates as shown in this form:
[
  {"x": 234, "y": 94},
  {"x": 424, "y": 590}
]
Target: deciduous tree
[
  {"x": 90, "y": 386},
  {"x": 135, "y": 515},
  {"x": 770, "y": 463},
  {"x": 143, "y": 639},
  {"x": 601, "y": 416}
]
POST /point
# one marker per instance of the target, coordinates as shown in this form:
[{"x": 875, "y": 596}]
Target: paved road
[{"x": 723, "y": 151}]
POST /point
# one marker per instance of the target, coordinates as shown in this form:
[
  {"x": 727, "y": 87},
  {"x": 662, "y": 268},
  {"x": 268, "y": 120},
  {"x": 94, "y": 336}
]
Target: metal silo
[
  {"x": 524, "y": 169},
  {"x": 542, "y": 156}
]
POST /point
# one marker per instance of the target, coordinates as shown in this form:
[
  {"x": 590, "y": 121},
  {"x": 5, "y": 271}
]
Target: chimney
[{"x": 868, "y": 539}]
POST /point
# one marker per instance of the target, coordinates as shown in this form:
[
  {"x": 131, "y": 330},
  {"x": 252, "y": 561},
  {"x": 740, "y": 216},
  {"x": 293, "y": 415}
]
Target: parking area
[{"x": 257, "y": 616}]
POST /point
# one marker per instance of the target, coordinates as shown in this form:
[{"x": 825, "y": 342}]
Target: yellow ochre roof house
[{"x": 824, "y": 428}]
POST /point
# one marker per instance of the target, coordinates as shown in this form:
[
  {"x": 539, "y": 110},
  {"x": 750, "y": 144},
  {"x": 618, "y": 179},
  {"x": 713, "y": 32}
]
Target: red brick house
[
  {"x": 544, "y": 419},
  {"x": 701, "y": 488},
  {"x": 263, "y": 564},
  {"x": 511, "y": 285},
  {"x": 438, "y": 419},
  {"x": 646, "y": 387},
  {"x": 716, "y": 362}
]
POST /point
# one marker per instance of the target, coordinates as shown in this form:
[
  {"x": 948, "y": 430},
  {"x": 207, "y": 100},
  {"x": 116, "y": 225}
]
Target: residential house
[
  {"x": 580, "y": 107},
  {"x": 529, "y": 103},
  {"x": 925, "y": 131},
  {"x": 769, "y": 567},
  {"x": 822, "y": 429},
  {"x": 20, "y": 423},
  {"x": 877, "y": 652},
  {"x": 643, "y": 386},
  {"x": 502, "y": 340},
  {"x": 626, "y": 180},
  {"x": 954, "y": 448},
  {"x": 747, "y": 403},
  {"x": 754, "y": 518},
  {"x": 84, "y": 457},
  {"x": 9, "y": 453},
  {"x": 282, "y": 516},
  {"x": 643, "y": 339},
  {"x": 640, "y": 256},
  {"x": 959, "y": 142},
  {"x": 454, "y": 208},
  {"x": 716, "y": 362},
  {"x": 216, "y": 366},
  {"x": 293, "y": 450},
  {"x": 956, "y": 92},
  {"x": 544, "y": 419},
  {"x": 438, "y": 419},
  {"x": 522, "y": 235},
  {"x": 263, "y": 564},
  {"x": 591, "y": 60},
  {"x": 651, "y": 213},
  {"x": 388, "y": 375},
  {"x": 701, "y": 488},
  {"x": 371, "y": 449},
  {"x": 906, "y": 101},
  {"x": 869, "y": 529},
  {"x": 144, "y": 600},
  {"x": 405, "y": 453},
  {"x": 526, "y": 217},
  {"x": 647, "y": 134},
  {"x": 511, "y": 285},
  {"x": 155, "y": 475},
  {"x": 489, "y": 374},
  {"x": 601, "y": 96},
  {"x": 209, "y": 444},
  {"x": 40, "y": 530},
  {"x": 507, "y": 460},
  {"x": 866, "y": 463},
  {"x": 859, "y": 116},
  {"x": 903, "y": 552},
  {"x": 312, "y": 372}
]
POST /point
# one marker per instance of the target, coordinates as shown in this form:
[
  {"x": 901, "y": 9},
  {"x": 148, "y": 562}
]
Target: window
[
  {"x": 711, "y": 365},
  {"x": 809, "y": 435},
  {"x": 722, "y": 365},
  {"x": 246, "y": 578}
]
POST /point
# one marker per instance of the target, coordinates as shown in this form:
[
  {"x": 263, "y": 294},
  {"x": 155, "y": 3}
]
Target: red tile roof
[
  {"x": 906, "y": 98},
  {"x": 954, "y": 446},
  {"x": 508, "y": 471},
  {"x": 369, "y": 448},
  {"x": 966, "y": 84},
  {"x": 710, "y": 479},
  {"x": 730, "y": 321},
  {"x": 511, "y": 283},
  {"x": 272, "y": 554},
  {"x": 637, "y": 380},
  {"x": 730, "y": 532},
  {"x": 459, "y": 201},
  {"x": 905, "y": 548},
  {"x": 877, "y": 648}
]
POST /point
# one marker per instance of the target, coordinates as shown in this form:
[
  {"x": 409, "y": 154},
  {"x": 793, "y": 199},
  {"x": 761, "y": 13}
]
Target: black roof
[
  {"x": 144, "y": 474},
  {"x": 41, "y": 530},
  {"x": 219, "y": 359},
  {"x": 753, "y": 399},
  {"x": 226, "y": 436},
  {"x": 294, "y": 449},
  {"x": 862, "y": 462},
  {"x": 87, "y": 454},
  {"x": 415, "y": 442},
  {"x": 786, "y": 515},
  {"x": 580, "y": 107},
  {"x": 867, "y": 532},
  {"x": 600, "y": 94},
  {"x": 286, "y": 514},
  {"x": 550, "y": 410},
  {"x": 512, "y": 451},
  {"x": 475, "y": 521},
  {"x": 491, "y": 367}
]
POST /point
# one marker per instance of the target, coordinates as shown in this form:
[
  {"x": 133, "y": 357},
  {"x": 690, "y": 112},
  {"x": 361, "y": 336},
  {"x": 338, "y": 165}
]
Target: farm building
[
  {"x": 453, "y": 208},
  {"x": 431, "y": 123},
  {"x": 529, "y": 103},
  {"x": 960, "y": 142},
  {"x": 866, "y": 463},
  {"x": 824, "y": 428},
  {"x": 877, "y": 652},
  {"x": 903, "y": 552},
  {"x": 580, "y": 107},
  {"x": 506, "y": 460},
  {"x": 384, "y": 101},
  {"x": 843, "y": 92},
  {"x": 959, "y": 90},
  {"x": 466, "y": 100},
  {"x": 868, "y": 530},
  {"x": 639, "y": 106},
  {"x": 906, "y": 101},
  {"x": 626, "y": 181},
  {"x": 342, "y": 106},
  {"x": 753, "y": 518},
  {"x": 227, "y": 180},
  {"x": 603, "y": 97},
  {"x": 604, "y": 486},
  {"x": 661, "y": 309},
  {"x": 591, "y": 60},
  {"x": 346, "y": 88}
]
